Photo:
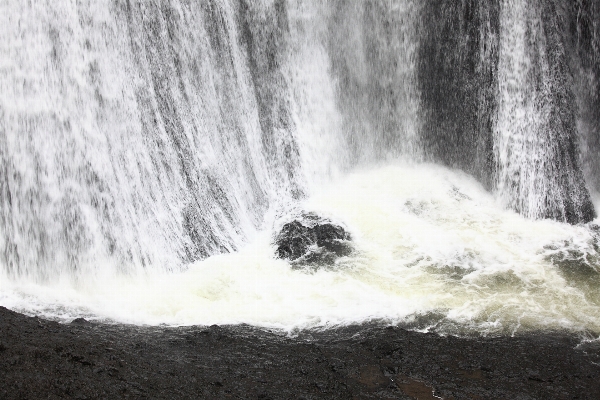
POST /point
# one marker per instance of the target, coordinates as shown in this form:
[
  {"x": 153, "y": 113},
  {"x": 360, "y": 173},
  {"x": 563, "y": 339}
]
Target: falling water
[
  {"x": 538, "y": 173},
  {"x": 373, "y": 48},
  {"x": 149, "y": 152},
  {"x": 132, "y": 135}
]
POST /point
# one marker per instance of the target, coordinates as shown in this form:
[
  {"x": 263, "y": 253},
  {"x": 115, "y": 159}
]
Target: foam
[{"x": 428, "y": 239}]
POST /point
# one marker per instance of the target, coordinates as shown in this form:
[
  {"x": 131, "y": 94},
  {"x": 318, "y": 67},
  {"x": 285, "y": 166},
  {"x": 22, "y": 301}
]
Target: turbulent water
[{"x": 150, "y": 151}]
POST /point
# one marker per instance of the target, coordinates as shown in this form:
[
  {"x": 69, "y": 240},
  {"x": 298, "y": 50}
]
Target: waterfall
[
  {"x": 373, "y": 48},
  {"x": 458, "y": 63},
  {"x": 500, "y": 102},
  {"x": 538, "y": 162},
  {"x": 158, "y": 133},
  {"x": 155, "y": 147},
  {"x": 140, "y": 133},
  {"x": 584, "y": 56}
]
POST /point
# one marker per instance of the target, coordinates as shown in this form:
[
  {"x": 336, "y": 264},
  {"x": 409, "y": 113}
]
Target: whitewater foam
[{"x": 431, "y": 244}]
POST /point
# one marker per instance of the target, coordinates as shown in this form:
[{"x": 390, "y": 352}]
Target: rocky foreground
[{"x": 81, "y": 360}]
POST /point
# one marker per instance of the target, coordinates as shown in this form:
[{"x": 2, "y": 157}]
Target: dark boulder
[
  {"x": 312, "y": 240},
  {"x": 81, "y": 321}
]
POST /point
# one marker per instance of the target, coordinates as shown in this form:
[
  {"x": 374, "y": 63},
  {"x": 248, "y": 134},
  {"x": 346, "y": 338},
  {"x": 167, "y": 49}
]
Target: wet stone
[
  {"x": 249, "y": 363},
  {"x": 311, "y": 240},
  {"x": 81, "y": 321}
]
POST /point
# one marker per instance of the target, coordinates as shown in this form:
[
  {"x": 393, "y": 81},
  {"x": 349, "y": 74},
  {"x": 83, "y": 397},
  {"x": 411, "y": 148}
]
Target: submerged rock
[{"x": 312, "y": 240}]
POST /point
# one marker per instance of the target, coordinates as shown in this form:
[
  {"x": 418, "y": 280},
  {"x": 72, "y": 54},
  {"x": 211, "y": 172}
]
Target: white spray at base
[{"x": 432, "y": 248}]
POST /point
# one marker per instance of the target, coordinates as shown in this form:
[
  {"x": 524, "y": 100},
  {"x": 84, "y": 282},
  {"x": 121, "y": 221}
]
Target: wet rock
[
  {"x": 363, "y": 361},
  {"x": 312, "y": 240},
  {"x": 81, "y": 321}
]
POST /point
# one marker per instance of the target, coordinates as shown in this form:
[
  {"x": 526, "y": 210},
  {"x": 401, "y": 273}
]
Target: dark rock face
[
  {"x": 44, "y": 359},
  {"x": 312, "y": 240}
]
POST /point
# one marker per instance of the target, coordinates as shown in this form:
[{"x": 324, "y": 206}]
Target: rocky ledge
[{"x": 43, "y": 359}]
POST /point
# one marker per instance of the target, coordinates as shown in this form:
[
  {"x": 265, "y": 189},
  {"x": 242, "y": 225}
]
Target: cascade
[
  {"x": 168, "y": 138},
  {"x": 535, "y": 137},
  {"x": 373, "y": 48},
  {"x": 499, "y": 103},
  {"x": 584, "y": 55},
  {"x": 458, "y": 63},
  {"x": 141, "y": 133},
  {"x": 155, "y": 133}
]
